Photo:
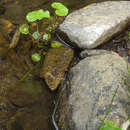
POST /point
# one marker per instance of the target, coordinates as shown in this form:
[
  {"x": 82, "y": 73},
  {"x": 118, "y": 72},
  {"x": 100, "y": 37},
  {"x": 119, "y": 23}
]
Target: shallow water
[{"x": 15, "y": 64}]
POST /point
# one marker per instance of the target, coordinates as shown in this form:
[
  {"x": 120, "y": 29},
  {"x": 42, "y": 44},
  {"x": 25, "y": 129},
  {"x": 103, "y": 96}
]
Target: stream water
[{"x": 19, "y": 114}]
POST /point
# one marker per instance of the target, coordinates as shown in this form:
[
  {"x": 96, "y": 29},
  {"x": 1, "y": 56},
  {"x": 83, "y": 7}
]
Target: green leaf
[
  {"x": 37, "y": 15},
  {"x": 129, "y": 35},
  {"x": 109, "y": 126},
  {"x": 35, "y": 35},
  {"x": 36, "y": 57},
  {"x": 24, "y": 29},
  {"x": 44, "y": 53},
  {"x": 46, "y": 36},
  {"x": 55, "y": 44},
  {"x": 61, "y": 10}
]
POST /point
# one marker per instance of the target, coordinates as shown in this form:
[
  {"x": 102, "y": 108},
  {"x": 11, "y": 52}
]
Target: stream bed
[{"x": 28, "y": 105}]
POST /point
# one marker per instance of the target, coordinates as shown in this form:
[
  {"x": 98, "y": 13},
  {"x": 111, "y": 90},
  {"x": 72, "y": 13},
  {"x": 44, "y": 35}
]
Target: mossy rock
[
  {"x": 55, "y": 64},
  {"x": 29, "y": 119},
  {"x": 27, "y": 93}
]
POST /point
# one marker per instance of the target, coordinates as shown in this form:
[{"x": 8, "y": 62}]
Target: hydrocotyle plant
[
  {"x": 41, "y": 38},
  {"x": 108, "y": 125}
]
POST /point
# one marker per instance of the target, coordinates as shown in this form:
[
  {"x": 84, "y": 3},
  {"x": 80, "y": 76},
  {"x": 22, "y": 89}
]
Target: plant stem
[
  {"x": 110, "y": 105},
  {"x": 38, "y": 33},
  {"x": 26, "y": 74}
]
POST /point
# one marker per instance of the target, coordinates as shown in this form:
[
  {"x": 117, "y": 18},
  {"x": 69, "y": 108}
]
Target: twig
[
  {"x": 64, "y": 43},
  {"x": 26, "y": 74},
  {"x": 15, "y": 39},
  {"x": 110, "y": 105},
  {"x": 53, "y": 115}
]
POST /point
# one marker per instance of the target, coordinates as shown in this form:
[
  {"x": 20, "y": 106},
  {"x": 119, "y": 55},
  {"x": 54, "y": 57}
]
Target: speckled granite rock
[
  {"x": 96, "y": 23},
  {"x": 55, "y": 64},
  {"x": 93, "y": 83}
]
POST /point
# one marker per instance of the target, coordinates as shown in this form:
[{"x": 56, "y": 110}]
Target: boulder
[
  {"x": 95, "y": 24},
  {"x": 93, "y": 83}
]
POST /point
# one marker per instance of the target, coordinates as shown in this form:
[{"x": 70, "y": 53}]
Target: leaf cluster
[
  {"x": 108, "y": 125},
  {"x": 34, "y": 16}
]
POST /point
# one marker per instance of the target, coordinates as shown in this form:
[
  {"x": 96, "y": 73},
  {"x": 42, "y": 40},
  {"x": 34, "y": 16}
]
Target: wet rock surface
[
  {"x": 96, "y": 23},
  {"x": 29, "y": 89},
  {"x": 55, "y": 64},
  {"x": 28, "y": 104},
  {"x": 26, "y": 107},
  {"x": 92, "y": 84}
]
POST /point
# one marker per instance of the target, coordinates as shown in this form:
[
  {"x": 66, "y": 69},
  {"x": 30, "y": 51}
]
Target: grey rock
[
  {"x": 96, "y": 23},
  {"x": 92, "y": 52},
  {"x": 128, "y": 44},
  {"x": 93, "y": 83}
]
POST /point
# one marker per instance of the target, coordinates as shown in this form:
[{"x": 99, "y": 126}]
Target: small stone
[
  {"x": 56, "y": 62},
  {"x": 97, "y": 23},
  {"x": 92, "y": 52}
]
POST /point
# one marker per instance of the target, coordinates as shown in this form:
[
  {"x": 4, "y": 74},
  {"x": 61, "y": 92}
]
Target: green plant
[
  {"x": 108, "y": 125},
  {"x": 36, "y": 57},
  {"x": 43, "y": 38},
  {"x": 127, "y": 80},
  {"x": 129, "y": 35},
  {"x": 61, "y": 10},
  {"x": 55, "y": 44}
]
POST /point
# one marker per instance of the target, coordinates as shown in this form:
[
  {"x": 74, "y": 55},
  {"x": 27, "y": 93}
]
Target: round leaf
[
  {"x": 35, "y": 35},
  {"x": 61, "y": 10},
  {"x": 46, "y": 36},
  {"x": 36, "y": 57},
  {"x": 44, "y": 53},
  {"x": 24, "y": 29},
  {"x": 57, "y": 5},
  {"x": 55, "y": 44},
  {"x": 37, "y": 15}
]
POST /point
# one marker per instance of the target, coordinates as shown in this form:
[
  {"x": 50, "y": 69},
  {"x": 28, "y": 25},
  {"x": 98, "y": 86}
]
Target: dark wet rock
[
  {"x": 17, "y": 10},
  {"x": 89, "y": 91},
  {"x": 128, "y": 44},
  {"x": 27, "y": 93},
  {"x": 2, "y": 10},
  {"x": 28, "y": 120},
  {"x": 96, "y": 23},
  {"x": 3, "y": 41},
  {"x": 55, "y": 64},
  {"x": 3, "y": 44},
  {"x": 6, "y": 111},
  {"x": 6, "y": 27},
  {"x": 15, "y": 13},
  {"x": 17, "y": 115},
  {"x": 31, "y": 94}
]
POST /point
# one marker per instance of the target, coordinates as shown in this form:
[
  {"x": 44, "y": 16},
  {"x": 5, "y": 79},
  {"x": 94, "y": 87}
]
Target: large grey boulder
[
  {"x": 93, "y": 83},
  {"x": 96, "y": 23}
]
